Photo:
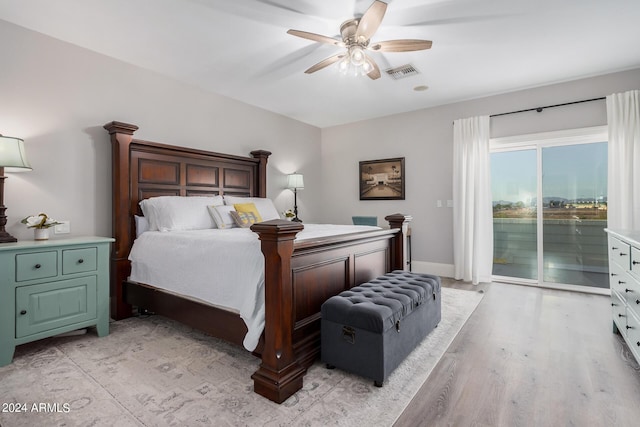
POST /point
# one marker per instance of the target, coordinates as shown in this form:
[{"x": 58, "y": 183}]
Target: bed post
[
  {"x": 399, "y": 244},
  {"x": 121, "y": 137},
  {"x": 279, "y": 375},
  {"x": 261, "y": 176}
]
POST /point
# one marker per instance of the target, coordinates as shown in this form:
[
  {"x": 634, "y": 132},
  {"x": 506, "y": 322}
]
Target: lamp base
[
  {"x": 296, "y": 219},
  {"x": 6, "y": 237}
]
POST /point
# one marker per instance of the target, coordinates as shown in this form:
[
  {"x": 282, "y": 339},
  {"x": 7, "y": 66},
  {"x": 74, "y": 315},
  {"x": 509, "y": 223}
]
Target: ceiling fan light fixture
[
  {"x": 356, "y": 37},
  {"x": 357, "y": 55},
  {"x": 355, "y": 65}
]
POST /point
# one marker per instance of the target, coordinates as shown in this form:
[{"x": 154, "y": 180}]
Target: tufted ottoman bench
[{"x": 370, "y": 329}]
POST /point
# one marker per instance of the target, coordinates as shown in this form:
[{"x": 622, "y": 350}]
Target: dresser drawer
[
  {"x": 53, "y": 305},
  {"x": 635, "y": 261},
  {"x": 79, "y": 260},
  {"x": 619, "y": 253},
  {"x": 633, "y": 335},
  {"x": 619, "y": 313},
  {"x": 37, "y": 265},
  {"x": 619, "y": 279}
]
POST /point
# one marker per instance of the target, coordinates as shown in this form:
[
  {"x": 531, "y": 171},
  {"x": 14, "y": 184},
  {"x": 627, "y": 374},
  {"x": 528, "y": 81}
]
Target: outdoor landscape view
[{"x": 574, "y": 214}]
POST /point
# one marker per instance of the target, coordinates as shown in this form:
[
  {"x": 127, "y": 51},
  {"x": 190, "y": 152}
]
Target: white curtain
[
  {"x": 472, "y": 202},
  {"x": 623, "y": 117}
]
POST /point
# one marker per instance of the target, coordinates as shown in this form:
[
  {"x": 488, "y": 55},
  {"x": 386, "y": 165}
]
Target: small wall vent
[{"x": 402, "y": 72}]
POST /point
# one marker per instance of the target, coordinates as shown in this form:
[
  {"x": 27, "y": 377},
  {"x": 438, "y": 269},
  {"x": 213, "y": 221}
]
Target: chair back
[{"x": 365, "y": 220}]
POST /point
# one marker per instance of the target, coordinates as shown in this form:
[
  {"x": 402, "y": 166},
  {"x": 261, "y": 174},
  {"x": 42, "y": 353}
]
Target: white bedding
[{"x": 223, "y": 267}]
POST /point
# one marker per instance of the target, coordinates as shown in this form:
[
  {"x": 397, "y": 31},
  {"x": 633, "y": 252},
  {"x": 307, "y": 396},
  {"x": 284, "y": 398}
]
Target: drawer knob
[
  {"x": 80, "y": 261},
  {"x": 627, "y": 290},
  {"x": 621, "y": 282},
  {"x": 620, "y": 315},
  {"x": 638, "y": 343},
  {"x": 629, "y": 327},
  {"x": 622, "y": 254},
  {"x": 638, "y": 301},
  {"x": 635, "y": 262},
  {"x": 23, "y": 312},
  {"x": 613, "y": 274},
  {"x": 613, "y": 248},
  {"x": 37, "y": 266}
]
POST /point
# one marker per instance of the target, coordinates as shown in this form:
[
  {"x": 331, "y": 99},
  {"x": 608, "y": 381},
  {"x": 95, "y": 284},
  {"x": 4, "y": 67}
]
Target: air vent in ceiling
[{"x": 402, "y": 72}]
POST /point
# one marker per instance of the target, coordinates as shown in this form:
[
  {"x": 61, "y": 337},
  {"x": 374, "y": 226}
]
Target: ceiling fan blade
[
  {"x": 405, "y": 45},
  {"x": 316, "y": 37},
  {"x": 371, "y": 20},
  {"x": 325, "y": 63},
  {"x": 375, "y": 71}
]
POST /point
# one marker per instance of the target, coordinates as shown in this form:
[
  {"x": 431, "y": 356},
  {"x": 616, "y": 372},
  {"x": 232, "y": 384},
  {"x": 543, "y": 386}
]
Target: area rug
[{"x": 155, "y": 372}]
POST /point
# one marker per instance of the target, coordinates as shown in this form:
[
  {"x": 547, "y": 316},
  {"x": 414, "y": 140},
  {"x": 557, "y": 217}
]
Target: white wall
[
  {"x": 57, "y": 97},
  {"x": 425, "y": 138}
]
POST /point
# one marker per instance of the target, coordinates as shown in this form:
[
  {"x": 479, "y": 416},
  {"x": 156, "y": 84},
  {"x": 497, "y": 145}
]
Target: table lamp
[{"x": 12, "y": 159}]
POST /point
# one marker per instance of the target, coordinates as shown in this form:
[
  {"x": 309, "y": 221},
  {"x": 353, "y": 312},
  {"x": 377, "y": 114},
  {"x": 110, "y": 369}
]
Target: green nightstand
[{"x": 51, "y": 287}]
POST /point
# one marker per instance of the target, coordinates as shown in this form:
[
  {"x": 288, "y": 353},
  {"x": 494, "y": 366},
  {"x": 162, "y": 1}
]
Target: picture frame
[{"x": 382, "y": 179}]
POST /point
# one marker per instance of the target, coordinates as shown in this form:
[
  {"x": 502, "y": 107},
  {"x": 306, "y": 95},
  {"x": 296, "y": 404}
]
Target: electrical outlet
[{"x": 63, "y": 228}]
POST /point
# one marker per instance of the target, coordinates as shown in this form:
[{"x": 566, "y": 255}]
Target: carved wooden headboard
[{"x": 142, "y": 169}]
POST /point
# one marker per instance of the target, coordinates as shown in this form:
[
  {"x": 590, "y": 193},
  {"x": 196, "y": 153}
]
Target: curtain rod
[{"x": 539, "y": 109}]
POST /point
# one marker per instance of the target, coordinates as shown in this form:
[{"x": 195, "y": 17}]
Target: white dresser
[{"x": 624, "y": 278}]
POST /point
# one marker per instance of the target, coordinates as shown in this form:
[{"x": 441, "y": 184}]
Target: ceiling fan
[{"x": 356, "y": 38}]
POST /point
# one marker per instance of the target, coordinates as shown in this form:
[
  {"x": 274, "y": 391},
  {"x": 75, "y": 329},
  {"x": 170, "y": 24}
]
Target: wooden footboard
[{"x": 299, "y": 277}]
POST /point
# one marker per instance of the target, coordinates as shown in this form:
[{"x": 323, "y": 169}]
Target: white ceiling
[{"x": 240, "y": 48}]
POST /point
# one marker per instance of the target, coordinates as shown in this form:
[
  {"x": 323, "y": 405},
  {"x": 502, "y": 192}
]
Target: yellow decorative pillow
[
  {"x": 244, "y": 219},
  {"x": 248, "y": 208}
]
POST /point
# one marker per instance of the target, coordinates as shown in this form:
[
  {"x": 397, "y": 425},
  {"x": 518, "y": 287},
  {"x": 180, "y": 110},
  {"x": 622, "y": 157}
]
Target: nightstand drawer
[
  {"x": 54, "y": 305},
  {"x": 79, "y": 260},
  {"x": 36, "y": 265}
]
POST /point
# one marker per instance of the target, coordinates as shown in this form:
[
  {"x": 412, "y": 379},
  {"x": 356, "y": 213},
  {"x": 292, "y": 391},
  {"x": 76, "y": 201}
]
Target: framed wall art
[{"x": 382, "y": 179}]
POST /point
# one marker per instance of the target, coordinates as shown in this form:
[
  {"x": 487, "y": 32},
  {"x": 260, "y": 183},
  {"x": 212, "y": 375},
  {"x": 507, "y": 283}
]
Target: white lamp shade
[
  {"x": 12, "y": 155},
  {"x": 296, "y": 181}
]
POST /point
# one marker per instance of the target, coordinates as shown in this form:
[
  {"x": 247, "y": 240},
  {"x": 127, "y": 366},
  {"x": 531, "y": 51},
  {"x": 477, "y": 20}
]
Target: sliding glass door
[
  {"x": 574, "y": 193},
  {"x": 550, "y": 210},
  {"x": 515, "y": 223}
]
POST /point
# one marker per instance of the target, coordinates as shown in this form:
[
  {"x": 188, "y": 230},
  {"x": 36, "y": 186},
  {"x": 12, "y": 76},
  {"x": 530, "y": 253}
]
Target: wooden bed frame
[{"x": 299, "y": 276}]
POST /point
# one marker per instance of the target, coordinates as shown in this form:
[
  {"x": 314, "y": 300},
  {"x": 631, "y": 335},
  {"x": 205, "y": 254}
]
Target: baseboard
[{"x": 443, "y": 270}]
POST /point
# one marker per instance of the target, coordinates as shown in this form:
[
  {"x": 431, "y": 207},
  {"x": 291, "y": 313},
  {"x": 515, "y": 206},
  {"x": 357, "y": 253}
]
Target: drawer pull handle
[
  {"x": 638, "y": 343},
  {"x": 37, "y": 266},
  {"x": 627, "y": 290},
  {"x": 614, "y": 304},
  {"x": 629, "y": 327},
  {"x": 613, "y": 248},
  {"x": 620, "y": 282},
  {"x": 620, "y": 315},
  {"x": 638, "y": 301},
  {"x": 635, "y": 262},
  {"x": 23, "y": 312},
  {"x": 80, "y": 261},
  {"x": 613, "y": 274},
  {"x": 621, "y": 254}
]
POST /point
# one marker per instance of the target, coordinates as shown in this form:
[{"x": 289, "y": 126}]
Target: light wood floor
[{"x": 532, "y": 357}]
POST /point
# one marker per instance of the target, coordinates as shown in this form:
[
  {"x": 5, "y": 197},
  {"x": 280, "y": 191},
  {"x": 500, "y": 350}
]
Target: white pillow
[
  {"x": 265, "y": 206},
  {"x": 222, "y": 216},
  {"x": 167, "y": 213},
  {"x": 142, "y": 225}
]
